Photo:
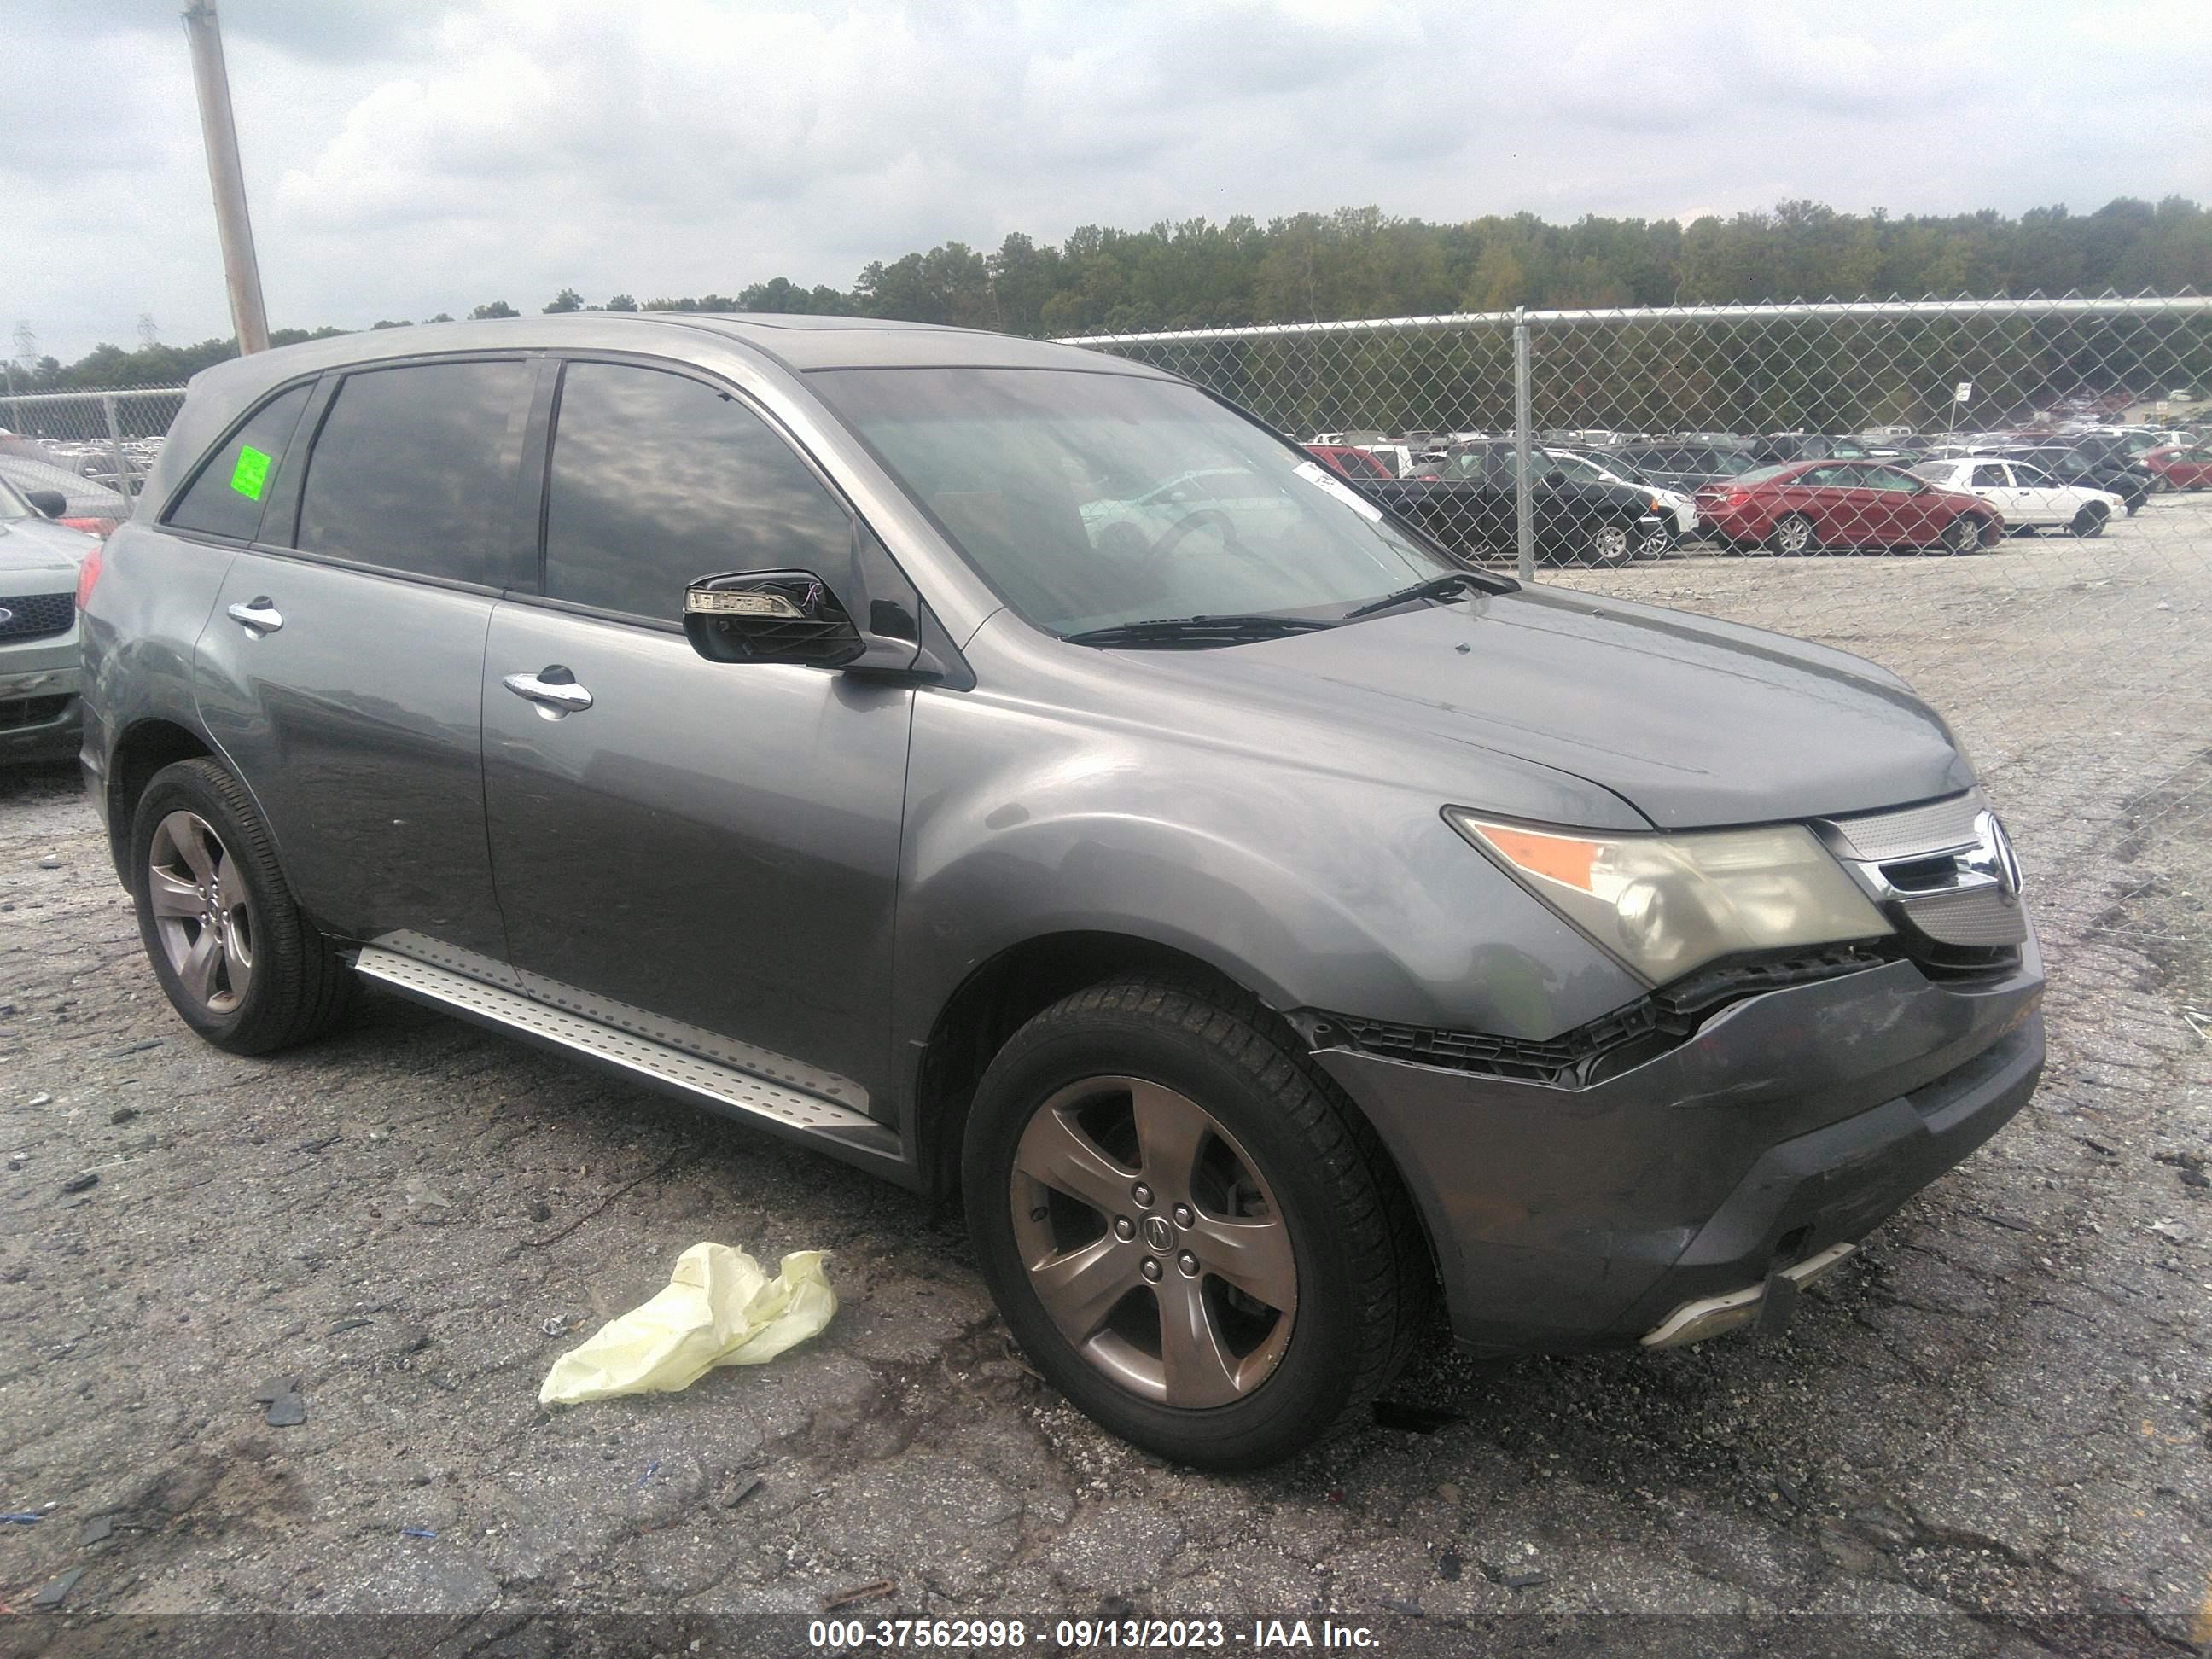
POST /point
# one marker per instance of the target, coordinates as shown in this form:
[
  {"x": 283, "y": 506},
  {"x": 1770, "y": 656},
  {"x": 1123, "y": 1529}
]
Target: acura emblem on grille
[{"x": 1993, "y": 855}]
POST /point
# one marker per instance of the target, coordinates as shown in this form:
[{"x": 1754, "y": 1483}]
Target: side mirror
[
  {"x": 770, "y": 615},
  {"x": 51, "y": 502}
]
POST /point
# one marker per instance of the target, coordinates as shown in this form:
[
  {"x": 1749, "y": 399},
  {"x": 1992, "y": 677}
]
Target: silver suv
[
  {"x": 40, "y": 565},
  {"x": 1013, "y": 770}
]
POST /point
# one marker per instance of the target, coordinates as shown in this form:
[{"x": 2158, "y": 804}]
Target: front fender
[{"x": 1310, "y": 888}]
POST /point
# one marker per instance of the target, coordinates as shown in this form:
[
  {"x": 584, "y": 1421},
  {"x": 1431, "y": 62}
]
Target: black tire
[
  {"x": 1608, "y": 546},
  {"x": 1962, "y": 535},
  {"x": 1364, "y": 1290},
  {"x": 1794, "y": 537},
  {"x": 2089, "y": 521},
  {"x": 295, "y": 985}
]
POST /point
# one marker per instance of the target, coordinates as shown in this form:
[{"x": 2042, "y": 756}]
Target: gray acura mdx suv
[{"x": 1013, "y": 770}]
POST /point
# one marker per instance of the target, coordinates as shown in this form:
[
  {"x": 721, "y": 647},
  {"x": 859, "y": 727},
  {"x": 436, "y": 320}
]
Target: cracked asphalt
[{"x": 1991, "y": 1433}]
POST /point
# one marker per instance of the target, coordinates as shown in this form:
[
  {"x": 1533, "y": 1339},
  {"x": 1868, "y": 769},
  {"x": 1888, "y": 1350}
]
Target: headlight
[{"x": 1667, "y": 904}]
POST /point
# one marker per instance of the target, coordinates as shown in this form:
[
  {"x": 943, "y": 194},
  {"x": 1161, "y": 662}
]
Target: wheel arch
[
  {"x": 1003, "y": 993},
  {"x": 142, "y": 750}
]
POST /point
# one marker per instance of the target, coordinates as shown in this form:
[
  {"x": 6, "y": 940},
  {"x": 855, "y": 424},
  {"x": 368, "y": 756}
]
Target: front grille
[
  {"x": 21, "y": 712},
  {"x": 34, "y": 616},
  {"x": 1663, "y": 1019},
  {"x": 1984, "y": 916},
  {"x": 1921, "y": 853},
  {"x": 1879, "y": 837}
]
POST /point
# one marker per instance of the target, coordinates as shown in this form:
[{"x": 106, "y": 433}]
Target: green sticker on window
[{"x": 251, "y": 473}]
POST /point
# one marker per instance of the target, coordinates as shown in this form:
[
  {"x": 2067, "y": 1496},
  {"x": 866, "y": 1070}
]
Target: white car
[
  {"x": 1400, "y": 459},
  {"x": 2028, "y": 496}
]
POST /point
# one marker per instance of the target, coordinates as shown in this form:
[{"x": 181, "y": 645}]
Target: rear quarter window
[
  {"x": 233, "y": 483},
  {"x": 415, "y": 469}
]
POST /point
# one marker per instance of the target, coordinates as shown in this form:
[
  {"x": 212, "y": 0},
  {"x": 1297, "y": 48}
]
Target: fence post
[
  {"x": 1524, "y": 504},
  {"x": 115, "y": 445}
]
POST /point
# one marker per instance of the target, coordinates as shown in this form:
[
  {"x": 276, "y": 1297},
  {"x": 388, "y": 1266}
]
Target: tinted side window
[
  {"x": 227, "y": 498},
  {"x": 415, "y": 469},
  {"x": 659, "y": 480}
]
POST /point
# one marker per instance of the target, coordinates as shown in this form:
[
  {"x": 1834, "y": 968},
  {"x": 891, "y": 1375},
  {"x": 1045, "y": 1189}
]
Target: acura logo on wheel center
[{"x": 1159, "y": 1234}]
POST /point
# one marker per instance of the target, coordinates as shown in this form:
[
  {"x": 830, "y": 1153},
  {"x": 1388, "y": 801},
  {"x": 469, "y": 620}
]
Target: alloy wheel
[
  {"x": 1611, "y": 543},
  {"x": 1153, "y": 1243},
  {"x": 1793, "y": 536},
  {"x": 201, "y": 912}
]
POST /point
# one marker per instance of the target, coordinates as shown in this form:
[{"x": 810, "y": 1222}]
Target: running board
[{"x": 720, "y": 1089}]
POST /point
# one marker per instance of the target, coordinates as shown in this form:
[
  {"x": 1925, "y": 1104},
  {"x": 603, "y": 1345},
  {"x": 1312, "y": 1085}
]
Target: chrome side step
[{"x": 719, "y": 1088}]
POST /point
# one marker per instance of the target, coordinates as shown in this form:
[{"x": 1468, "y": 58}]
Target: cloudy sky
[{"x": 405, "y": 157}]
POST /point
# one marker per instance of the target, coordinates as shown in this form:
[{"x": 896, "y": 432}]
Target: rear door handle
[
  {"x": 257, "y": 617},
  {"x": 553, "y": 688}
]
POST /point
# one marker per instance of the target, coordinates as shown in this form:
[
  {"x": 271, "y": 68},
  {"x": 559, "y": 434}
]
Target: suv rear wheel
[
  {"x": 234, "y": 956},
  {"x": 1191, "y": 1236}
]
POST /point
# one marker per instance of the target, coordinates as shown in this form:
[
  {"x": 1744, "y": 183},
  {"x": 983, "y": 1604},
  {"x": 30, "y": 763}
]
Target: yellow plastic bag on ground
[{"x": 720, "y": 1308}]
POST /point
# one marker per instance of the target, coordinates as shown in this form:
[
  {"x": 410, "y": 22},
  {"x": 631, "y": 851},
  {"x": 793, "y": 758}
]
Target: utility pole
[{"x": 241, "y": 270}]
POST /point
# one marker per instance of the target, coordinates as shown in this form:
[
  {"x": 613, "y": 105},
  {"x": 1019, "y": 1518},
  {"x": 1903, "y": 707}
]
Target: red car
[
  {"x": 1803, "y": 507},
  {"x": 1356, "y": 464},
  {"x": 2183, "y": 466}
]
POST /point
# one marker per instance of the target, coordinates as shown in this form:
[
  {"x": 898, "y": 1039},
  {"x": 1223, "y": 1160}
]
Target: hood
[
  {"x": 40, "y": 555},
  {"x": 1693, "y": 722}
]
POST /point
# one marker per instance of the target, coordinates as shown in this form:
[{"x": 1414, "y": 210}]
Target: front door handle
[
  {"x": 257, "y": 617},
  {"x": 554, "y": 689}
]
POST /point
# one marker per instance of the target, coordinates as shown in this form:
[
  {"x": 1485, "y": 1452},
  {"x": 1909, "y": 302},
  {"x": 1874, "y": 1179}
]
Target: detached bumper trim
[{"x": 1712, "y": 1316}]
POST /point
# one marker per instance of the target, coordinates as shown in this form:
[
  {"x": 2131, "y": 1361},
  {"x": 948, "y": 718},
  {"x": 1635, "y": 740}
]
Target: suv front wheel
[
  {"x": 1187, "y": 1233},
  {"x": 234, "y": 956}
]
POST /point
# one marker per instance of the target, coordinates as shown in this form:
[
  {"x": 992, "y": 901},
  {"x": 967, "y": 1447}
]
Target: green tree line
[{"x": 1360, "y": 262}]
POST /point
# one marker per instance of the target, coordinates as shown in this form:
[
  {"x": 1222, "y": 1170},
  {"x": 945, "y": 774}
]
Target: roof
[{"x": 797, "y": 344}]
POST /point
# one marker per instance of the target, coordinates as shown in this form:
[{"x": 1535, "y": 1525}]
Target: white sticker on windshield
[{"x": 1314, "y": 473}]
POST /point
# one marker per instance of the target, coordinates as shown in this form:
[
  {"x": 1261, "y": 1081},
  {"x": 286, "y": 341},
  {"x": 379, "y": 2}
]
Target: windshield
[
  {"x": 12, "y": 505},
  {"x": 1091, "y": 500},
  {"x": 1761, "y": 474}
]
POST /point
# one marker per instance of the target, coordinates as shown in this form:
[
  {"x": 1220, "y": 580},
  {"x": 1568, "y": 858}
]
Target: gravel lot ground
[{"x": 1990, "y": 1434}]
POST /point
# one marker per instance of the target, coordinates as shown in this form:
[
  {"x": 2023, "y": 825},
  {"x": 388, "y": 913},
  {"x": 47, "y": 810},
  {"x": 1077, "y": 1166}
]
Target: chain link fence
[
  {"x": 2008, "y": 502},
  {"x": 94, "y": 448}
]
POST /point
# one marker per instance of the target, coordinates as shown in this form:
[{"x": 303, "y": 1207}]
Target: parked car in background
[
  {"x": 2129, "y": 480},
  {"x": 1351, "y": 460},
  {"x": 1777, "y": 446},
  {"x": 1401, "y": 459},
  {"x": 2027, "y": 495},
  {"x": 1685, "y": 465},
  {"x": 1676, "y": 510},
  {"x": 1271, "y": 929},
  {"x": 2182, "y": 466},
  {"x": 40, "y": 674},
  {"x": 87, "y": 506},
  {"x": 1468, "y": 501},
  {"x": 1806, "y": 507}
]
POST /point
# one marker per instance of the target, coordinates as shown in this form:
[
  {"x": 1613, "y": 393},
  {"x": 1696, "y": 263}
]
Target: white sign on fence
[{"x": 1966, "y": 390}]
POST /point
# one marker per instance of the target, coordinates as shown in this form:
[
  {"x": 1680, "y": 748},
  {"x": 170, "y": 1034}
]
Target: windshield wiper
[
  {"x": 1437, "y": 587},
  {"x": 1198, "y": 631}
]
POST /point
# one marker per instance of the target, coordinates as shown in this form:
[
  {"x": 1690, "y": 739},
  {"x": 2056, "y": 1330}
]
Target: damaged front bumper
[{"x": 1699, "y": 1190}]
